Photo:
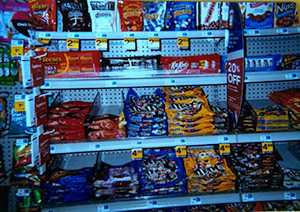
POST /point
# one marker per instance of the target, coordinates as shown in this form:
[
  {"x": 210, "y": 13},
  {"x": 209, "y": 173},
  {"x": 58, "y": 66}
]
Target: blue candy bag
[{"x": 154, "y": 16}]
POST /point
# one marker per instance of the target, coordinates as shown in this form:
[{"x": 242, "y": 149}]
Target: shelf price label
[
  {"x": 183, "y": 43},
  {"x": 102, "y": 44},
  {"x": 248, "y": 197},
  {"x": 129, "y": 44},
  {"x": 289, "y": 196},
  {"x": 17, "y": 48},
  {"x": 137, "y": 154},
  {"x": 181, "y": 151},
  {"x": 196, "y": 201},
  {"x": 19, "y": 106},
  {"x": 224, "y": 149},
  {"x": 72, "y": 43},
  {"x": 267, "y": 147},
  {"x": 154, "y": 43},
  {"x": 44, "y": 40},
  {"x": 267, "y": 138}
]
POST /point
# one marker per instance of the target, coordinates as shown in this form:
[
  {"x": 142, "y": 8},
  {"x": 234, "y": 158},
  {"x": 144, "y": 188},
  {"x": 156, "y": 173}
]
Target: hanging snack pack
[
  {"x": 154, "y": 14},
  {"x": 189, "y": 112},
  {"x": 131, "y": 15},
  {"x": 103, "y": 15},
  {"x": 224, "y": 18},
  {"x": 145, "y": 115},
  {"x": 181, "y": 16},
  {"x": 43, "y": 15},
  {"x": 18, "y": 115},
  {"x": 210, "y": 15},
  {"x": 207, "y": 171},
  {"x": 285, "y": 14},
  {"x": 74, "y": 15},
  {"x": 72, "y": 64},
  {"x": 4, "y": 114},
  {"x": 22, "y": 153},
  {"x": 160, "y": 172},
  {"x": 259, "y": 15}
]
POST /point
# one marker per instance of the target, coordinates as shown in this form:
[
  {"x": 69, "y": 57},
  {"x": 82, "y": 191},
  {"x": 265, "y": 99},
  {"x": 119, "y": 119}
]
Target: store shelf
[
  {"x": 272, "y": 76},
  {"x": 121, "y": 35},
  {"x": 270, "y": 196},
  {"x": 273, "y": 31},
  {"x": 133, "y": 79},
  {"x": 132, "y": 143},
  {"x": 157, "y": 142},
  {"x": 163, "y": 34},
  {"x": 152, "y": 202},
  {"x": 165, "y": 202},
  {"x": 148, "y": 80},
  {"x": 268, "y": 137}
]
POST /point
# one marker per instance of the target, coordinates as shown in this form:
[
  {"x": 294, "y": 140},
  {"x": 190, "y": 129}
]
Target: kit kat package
[{"x": 192, "y": 64}]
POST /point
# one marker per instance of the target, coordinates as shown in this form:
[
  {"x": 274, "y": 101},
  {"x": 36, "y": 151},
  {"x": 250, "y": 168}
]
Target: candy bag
[
  {"x": 4, "y": 114},
  {"x": 285, "y": 14},
  {"x": 154, "y": 14},
  {"x": 131, "y": 15}
]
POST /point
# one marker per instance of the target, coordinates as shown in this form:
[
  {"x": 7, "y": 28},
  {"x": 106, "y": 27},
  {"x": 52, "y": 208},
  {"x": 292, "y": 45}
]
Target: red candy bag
[
  {"x": 131, "y": 15},
  {"x": 43, "y": 14}
]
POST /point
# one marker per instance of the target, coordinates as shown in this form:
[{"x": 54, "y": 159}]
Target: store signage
[{"x": 235, "y": 62}]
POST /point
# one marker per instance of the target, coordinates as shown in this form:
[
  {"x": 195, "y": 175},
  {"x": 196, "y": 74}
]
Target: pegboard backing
[
  {"x": 114, "y": 96},
  {"x": 168, "y": 47},
  {"x": 7, "y": 148},
  {"x": 262, "y": 90},
  {"x": 288, "y": 44}
]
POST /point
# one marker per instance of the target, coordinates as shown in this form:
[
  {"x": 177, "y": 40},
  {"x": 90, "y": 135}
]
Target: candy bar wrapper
[
  {"x": 131, "y": 15},
  {"x": 285, "y": 14},
  {"x": 259, "y": 15},
  {"x": 43, "y": 15},
  {"x": 72, "y": 64},
  {"x": 103, "y": 15},
  {"x": 121, "y": 63},
  {"x": 290, "y": 62},
  {"x": 192, "y": 64},
  {"x": 154, "y": 16},
  {"x": 210, "y": 15},
  {"x": 74, "y": 15}
]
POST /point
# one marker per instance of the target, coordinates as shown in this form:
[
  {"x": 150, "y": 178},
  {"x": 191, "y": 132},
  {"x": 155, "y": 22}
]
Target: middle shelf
[
  {"x": 133, "y": 143},
  {"x": 156, "y": 78}
]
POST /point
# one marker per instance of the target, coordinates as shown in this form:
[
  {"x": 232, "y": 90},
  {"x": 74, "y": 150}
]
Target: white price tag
[
  {"x": 282, "y": 31},
  {"x": 195, "y": 201},
  {"x": 112, "y": 83},
  {"x": 292, "y": 76},
  {"x": 23, "y": 192},
  {"x": 267, "y": 138},
  {"x": 248, "y": 197},
  {"x": 223, "y": 139},
  {"x": 103, "y": 208},
  {"x": 289, "y": 196}
]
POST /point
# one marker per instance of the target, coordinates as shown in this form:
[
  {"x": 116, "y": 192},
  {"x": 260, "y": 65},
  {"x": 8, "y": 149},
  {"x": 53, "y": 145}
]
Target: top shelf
[{"x": 163, "y": 34}]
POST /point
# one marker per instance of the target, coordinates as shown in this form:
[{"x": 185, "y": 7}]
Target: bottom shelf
[{"x": 178, "y": 201}]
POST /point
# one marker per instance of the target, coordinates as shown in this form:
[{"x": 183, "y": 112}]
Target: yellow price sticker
[
  {"x": 102, "y": 44},
  {"x": 19, "y": 106},
  {"x": 130, "y": 44},
  {"x": 267, "y": 147},
  {"x": 154, "y": 43},
  {"x": 183, "y": 43},
  {"x": 72, "y": 43},
  {"x": 224, "y": 149},
  {"x": 181, "y": 151},
  {"x": 44, "y": 40},
  {"x": 137, "y": 154},
  {"x": 17, "y": 51}
]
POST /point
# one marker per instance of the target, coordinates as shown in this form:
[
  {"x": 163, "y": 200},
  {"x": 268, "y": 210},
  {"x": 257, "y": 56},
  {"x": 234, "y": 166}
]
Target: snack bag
[
  {"x": 4, "y": 114},
  {"x": 103, "y": 15},
  {"x": 224, "y": 18},
  {"x": 259, "y": 15},
  {"x": 210, "y": 15},
  {"x": 19, "y": 5},
  {"x": 154, "y": 16},
  {"x": 181, "y": 16},
  {"x": 131, "y": 15},
  {"x": 74, "y": 15},
  {"x": 285, "y": 14},
  {"x": 22, "y": 153},
  {"x": 43, "y": 15}
]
